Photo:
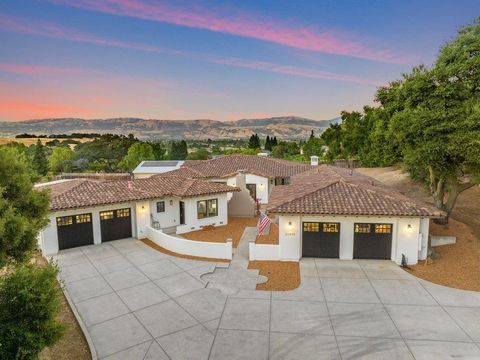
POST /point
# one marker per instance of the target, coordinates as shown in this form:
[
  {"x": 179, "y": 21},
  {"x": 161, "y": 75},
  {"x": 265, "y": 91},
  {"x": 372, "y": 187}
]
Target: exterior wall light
[
  {"x": 409, "y": 228},
  {"x": 289, "y": 224},
  {"x": 171, "y": 202}
]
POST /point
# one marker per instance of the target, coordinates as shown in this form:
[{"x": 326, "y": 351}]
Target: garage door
[
  {"x": 116, "y": 224},
  {"x": 372, "y": 241},
  {"x": 74, "y": 230},
  {"x": 321, "y": 239}
]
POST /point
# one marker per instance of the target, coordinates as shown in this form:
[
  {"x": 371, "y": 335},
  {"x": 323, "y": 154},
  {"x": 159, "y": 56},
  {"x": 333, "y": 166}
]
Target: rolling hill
[{"x": 287, "y": 127}]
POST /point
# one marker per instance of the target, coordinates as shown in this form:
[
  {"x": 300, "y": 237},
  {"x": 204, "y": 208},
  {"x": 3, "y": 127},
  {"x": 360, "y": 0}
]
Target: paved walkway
[
  {"x": 236, "y": 277},
  {"x": 138, "y": 303}
]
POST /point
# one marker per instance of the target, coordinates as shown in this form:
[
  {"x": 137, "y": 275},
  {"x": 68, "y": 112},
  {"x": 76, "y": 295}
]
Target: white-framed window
[{"x": 207, "y": 208}]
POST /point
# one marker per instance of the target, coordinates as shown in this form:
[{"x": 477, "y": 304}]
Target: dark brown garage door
[
  {"x": 321, "y": 239},
  {"x": 74, "y": 230},
  {"x": 116, "y": 224},
  {"x": 372, "y": 241}
]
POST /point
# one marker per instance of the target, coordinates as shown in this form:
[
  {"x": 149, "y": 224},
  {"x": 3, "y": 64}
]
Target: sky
[{"x": 221, "y": 60}]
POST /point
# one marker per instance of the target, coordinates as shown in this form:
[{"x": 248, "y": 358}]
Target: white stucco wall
[
  {"x": 262, "y": 184},
  {"x": 171, "y": 215},
  {"x": 49, "y": 235},
  {"x": 193, "y": 223},
  {"x": 141, "y": 213},
  {"x": 191, "y": 247},
  {"x": 263, "y": 252},
  {"x": 408, "y": 241}
]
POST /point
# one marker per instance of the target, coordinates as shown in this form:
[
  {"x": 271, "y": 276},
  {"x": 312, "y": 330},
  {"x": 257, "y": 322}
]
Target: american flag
[{"x": 262, "y": 225}]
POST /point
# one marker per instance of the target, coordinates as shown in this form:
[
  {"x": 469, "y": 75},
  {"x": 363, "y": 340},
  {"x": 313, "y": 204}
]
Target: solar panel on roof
[{"x": 160, "y": 163}]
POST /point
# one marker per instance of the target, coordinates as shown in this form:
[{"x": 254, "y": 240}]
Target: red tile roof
[
  {"x": 227, "y": 166},
  {"x": 328, "y": 190},
  {"x": 83, "y": 193}
]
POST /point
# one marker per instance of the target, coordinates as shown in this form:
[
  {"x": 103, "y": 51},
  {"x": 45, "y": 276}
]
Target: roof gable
[{"x": 335, "y": 191}]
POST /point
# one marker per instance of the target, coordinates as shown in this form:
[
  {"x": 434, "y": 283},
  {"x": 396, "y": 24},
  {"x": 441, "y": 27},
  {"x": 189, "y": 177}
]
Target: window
[
  {"x": 64, "y": 221},
  {"x": 212, "y": 207},
  {"x": 83, "y": 218},
  {"x": 311, "y": 227},
  {"x": 383, "y": 228},
  {"x": 106, "y": 215},
  {"x": 362, "y": 228},
  {"x": 330, "y": 227},
  {"x": 122, "y": 213},
  {"x": 160, "y": 206},
  {"x": 207, "y": 208}
]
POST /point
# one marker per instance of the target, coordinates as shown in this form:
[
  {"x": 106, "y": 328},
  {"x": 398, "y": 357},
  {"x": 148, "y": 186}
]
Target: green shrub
[{"x": 29, "y": 303}]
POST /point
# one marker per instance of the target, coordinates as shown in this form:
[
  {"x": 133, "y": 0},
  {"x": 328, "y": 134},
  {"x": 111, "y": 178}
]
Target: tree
[
  {"x": 61, "y": 159},
  {"x": 138, "y": 152},
  {"x": 332, "y": 137},
  {"x": 285, "y": 149},
  {"x": 274, "y": 141},
  {"x": 158, "y": 150},
  {"x": 178, "y": 150},
  {"x": 23, "y": 210},
  {"x": 106, "y": 149},
  {"x": 254, "y": 142},
  {"x": 40, "y": 161},
  {"x": 438, "y": 121},
  {"x": 268, "y": 143},
  {"x": 29, "y": 303},
  {"x": 201, "y": 154},
  {"x": 313, "y": 147},
  {"x": 312, "y": 135}
]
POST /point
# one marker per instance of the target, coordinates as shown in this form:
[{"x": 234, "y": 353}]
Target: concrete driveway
[{"x": 137, "y": 303}]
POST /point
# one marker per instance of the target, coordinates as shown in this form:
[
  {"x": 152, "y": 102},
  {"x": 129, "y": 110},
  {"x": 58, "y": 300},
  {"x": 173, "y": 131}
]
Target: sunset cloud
[
  {"x": 239, "y": 23},
  {"x": 55, "y": 31},
  {"x": 31, "y": 69},
  {"x": 27, "y": 26},
  {"x": 293, "y": 70}
]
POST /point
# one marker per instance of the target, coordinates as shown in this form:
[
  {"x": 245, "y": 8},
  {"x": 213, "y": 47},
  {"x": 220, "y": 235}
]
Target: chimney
[{"x": 314, "y": 160}]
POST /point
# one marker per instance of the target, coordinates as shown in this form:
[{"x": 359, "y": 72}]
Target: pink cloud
[
  {"x": 31, "y": 69},
  {"x": 55, "y": 31},
  {"x": 240, "y": 24},
  {"x": 293, "y": 70},
  {"x": 26, "y": 26}
]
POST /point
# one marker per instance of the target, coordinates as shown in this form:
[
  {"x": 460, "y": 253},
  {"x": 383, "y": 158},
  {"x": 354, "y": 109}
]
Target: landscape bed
[
  {"x": 282, "y": 275},
  {"x": 73, "y": 344},
  {"x": 233, "y": 230}
]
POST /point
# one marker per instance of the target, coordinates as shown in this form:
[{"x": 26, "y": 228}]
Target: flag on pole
[{"x": 262, "y": 224}]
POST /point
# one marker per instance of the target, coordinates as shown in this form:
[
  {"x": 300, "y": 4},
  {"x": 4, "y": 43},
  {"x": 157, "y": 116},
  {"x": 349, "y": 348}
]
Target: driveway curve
[{"x": 138, "y": 303}]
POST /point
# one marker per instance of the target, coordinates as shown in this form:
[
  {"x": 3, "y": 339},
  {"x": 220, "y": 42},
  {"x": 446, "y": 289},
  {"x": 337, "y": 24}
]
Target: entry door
[
  {"x": 253, "y": 190},
  {"x": 74, "y": 230},
  {"x": 116, "y": 224},
  {"x": 182, "y": 213},
  {"x": 321, "y": 240},
  {"x": 372, "y": 241}
]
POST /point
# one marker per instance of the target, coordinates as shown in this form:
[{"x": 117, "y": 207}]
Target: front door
[
  {"x": 182, "y": 213},
  {"x": 253, "y": 190}
]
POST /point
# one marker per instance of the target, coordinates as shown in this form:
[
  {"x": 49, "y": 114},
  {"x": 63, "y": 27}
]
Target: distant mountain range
[{"x": 285, "y": 127}]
